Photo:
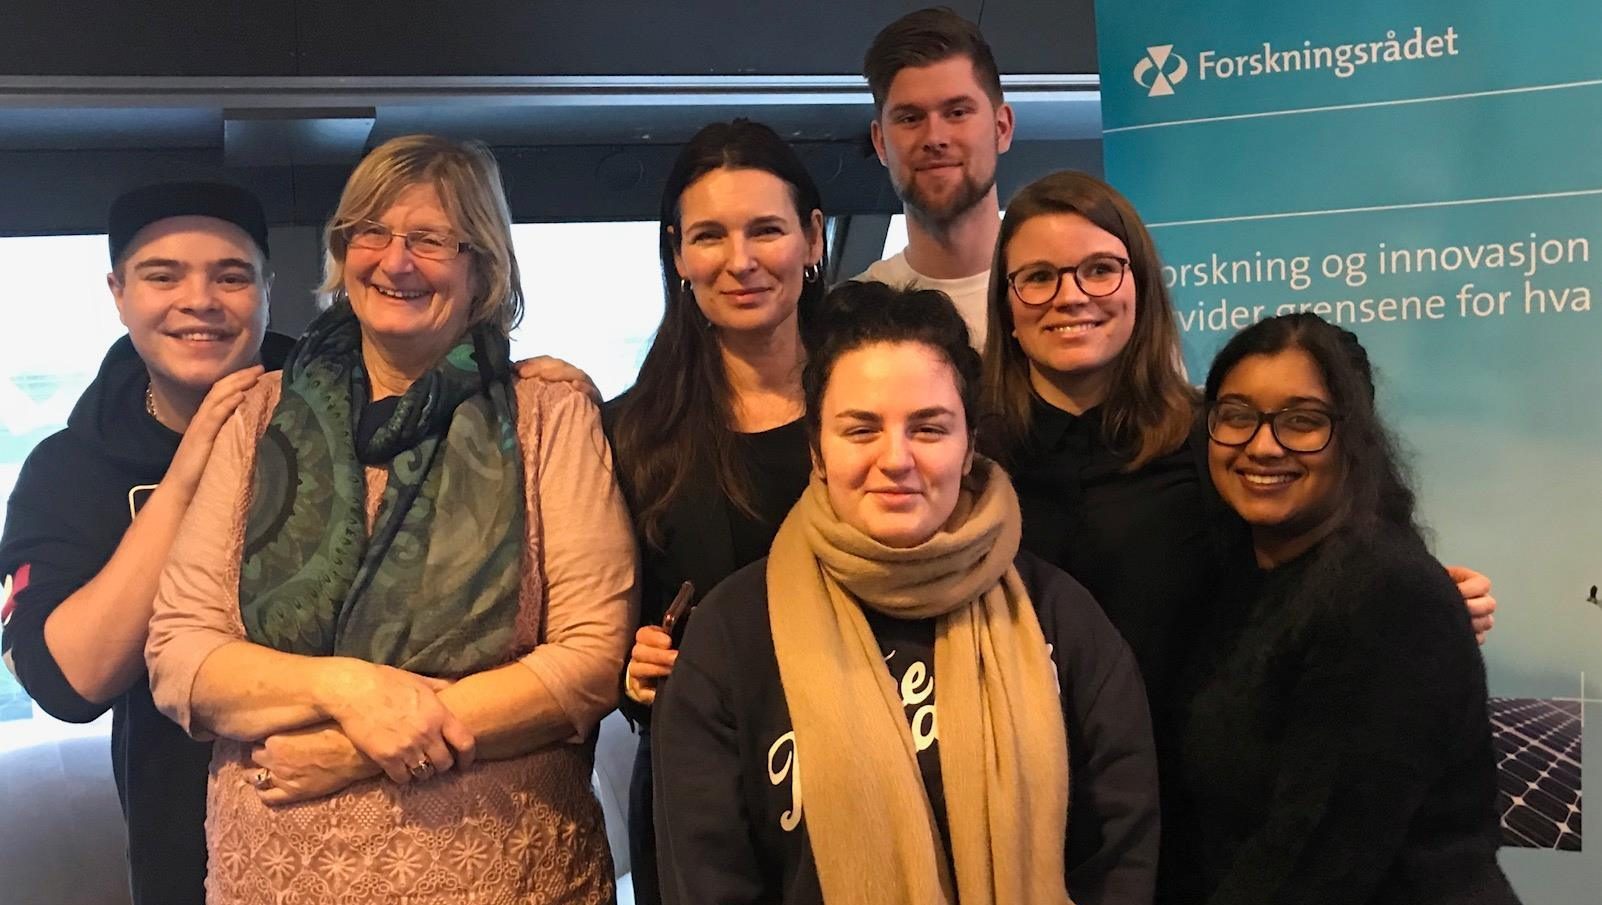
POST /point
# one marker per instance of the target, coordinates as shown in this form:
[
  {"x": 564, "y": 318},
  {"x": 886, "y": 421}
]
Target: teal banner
[{"x": 1429, "y": 175}]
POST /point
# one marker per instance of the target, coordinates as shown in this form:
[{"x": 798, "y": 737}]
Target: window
[
  {"x": 55, "y": 327},
  {"x": 895, "y": 238},
  {"x": 592, "y": 296}
]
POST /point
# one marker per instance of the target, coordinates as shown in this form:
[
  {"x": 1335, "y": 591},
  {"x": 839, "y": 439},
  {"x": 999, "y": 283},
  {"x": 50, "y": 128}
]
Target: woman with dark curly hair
[{"x": 1337, "y": 747}]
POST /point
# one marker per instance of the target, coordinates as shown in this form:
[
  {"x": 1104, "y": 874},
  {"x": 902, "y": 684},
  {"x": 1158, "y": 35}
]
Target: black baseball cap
[{"x": 135, "y": 210}]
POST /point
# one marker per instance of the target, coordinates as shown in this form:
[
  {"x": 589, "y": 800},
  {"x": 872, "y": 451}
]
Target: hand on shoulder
[{"x": 555, "y": 370}]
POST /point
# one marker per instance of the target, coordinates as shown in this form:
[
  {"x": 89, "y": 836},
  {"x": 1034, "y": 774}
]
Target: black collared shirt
[{"x": 1144, "y": 542}]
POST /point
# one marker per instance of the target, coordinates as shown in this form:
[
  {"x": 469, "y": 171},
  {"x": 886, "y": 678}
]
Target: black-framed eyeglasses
[
  {"x": 1096, "y": 276},
  {"x": 1298, "y": 430},
  {"x": 425, "y": 243}
]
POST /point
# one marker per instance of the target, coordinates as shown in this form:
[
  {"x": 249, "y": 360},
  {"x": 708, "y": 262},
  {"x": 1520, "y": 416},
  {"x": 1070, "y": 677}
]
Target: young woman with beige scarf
[{"x": 900, "y": 564}]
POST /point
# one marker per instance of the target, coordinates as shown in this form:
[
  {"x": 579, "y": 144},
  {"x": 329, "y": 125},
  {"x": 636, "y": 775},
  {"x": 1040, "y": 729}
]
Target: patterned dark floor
[{"x": 1538, "y": 771}]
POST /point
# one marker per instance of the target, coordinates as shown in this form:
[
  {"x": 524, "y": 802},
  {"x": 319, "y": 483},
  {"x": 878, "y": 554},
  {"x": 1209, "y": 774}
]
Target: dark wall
[
  {"x": 503, "y": 37},
  {"x": 55, "y": 192},
  {"x": 68, "y": 147},
  {"x": 149, "y": 37}
]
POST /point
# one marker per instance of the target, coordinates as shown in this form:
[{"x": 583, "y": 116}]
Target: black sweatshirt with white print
[{"x": 730, "y": 815}]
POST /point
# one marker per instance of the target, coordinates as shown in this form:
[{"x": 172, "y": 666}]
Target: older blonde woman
[{"x": 401, "y": 598}]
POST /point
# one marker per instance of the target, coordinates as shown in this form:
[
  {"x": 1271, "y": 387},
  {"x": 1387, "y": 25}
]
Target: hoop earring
[
  {"x": 685, "y": 288},
  {"x": 812, "y": 273}
]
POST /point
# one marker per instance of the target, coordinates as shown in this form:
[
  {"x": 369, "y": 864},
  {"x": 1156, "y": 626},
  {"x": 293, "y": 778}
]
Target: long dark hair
[
  {"x": 1374, "y": 519},
  {"x": 1375, "y": 493},
  {"x": 1149, "y": 408},
  {"x": 679, "y": 414}
]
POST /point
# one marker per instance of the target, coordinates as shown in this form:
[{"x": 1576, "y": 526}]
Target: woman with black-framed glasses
[
  {"x": 1336, "y": 745},
  {"x": 1091, "y": 413},
  {"x": 1093, "y": 416}
]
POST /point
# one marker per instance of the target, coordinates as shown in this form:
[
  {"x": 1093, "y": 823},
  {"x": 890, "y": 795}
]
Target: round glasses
[
  {"x": 1096, "y": 276},
  {"x": 424, "y": 243},
  {"x": 1297, "y": 430}
]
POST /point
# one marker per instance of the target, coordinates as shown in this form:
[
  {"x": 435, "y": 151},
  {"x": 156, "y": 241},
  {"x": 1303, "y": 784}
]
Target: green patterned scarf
[{"x": 434, "y": 587}]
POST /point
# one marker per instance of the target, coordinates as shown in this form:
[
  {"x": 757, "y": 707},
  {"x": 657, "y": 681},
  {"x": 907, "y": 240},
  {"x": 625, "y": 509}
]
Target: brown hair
[
  {"x": 924, "y": 38},
  {"x": 855, "y": 315},
  {"x": 1150, "y": 407},
  {"x": 468, "y": 182}
]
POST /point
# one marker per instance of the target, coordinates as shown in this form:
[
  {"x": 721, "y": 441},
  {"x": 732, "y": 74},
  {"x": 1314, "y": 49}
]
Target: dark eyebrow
[
  {"x": 923, "y": 414},
  {"x": 1293, "y": 402},
  {"x": 234, "y": 263},
  {"x": 1038, "y": 262},
  {"x": 905, "y": 107},
  {"x": 1302, "y": 400},
  {"x": 702, "y": 224},
  {"x": 154, "y": 263},
  {"x": 1042, "y": 262}
]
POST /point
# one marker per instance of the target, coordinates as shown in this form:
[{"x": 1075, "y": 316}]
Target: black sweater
[
  {"x": 1339, "y": 751},
  {"x": 705, "y": 539},
  {"x": 1147, "y": 543},
  {"x": 75, "y": 497},
  {"x": 724, "y": 793}
]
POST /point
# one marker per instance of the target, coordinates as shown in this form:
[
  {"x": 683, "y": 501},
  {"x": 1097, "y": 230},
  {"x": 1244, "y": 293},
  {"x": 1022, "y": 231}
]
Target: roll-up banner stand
[{"x": 1428, "y": 174}]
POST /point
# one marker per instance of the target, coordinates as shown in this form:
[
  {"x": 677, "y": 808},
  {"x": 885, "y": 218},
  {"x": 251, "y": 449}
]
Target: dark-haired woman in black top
[
  {"x": 1337, "y": 747},
  {"x": 709, "y": 447}
]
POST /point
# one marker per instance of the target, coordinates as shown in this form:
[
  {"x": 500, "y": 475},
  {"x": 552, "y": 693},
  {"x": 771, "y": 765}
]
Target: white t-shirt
[{"x": 969, "y": 294}]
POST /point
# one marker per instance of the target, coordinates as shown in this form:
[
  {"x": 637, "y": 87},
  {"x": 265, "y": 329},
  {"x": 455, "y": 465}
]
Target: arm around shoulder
[{"x": 204, "y": 674}]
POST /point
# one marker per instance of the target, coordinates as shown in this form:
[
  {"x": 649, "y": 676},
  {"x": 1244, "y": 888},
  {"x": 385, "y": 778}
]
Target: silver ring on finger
[
  {"x": 423, "y": 769},
  {"x": 263, "y": 779}
]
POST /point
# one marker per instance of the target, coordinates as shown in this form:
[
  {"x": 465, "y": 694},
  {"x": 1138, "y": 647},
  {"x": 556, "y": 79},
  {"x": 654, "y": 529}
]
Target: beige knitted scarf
[{"x": 1003, "y": 748}]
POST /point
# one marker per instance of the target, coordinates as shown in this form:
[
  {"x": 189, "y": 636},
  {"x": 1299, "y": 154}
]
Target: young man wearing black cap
[{"x": 97, "y": 505}]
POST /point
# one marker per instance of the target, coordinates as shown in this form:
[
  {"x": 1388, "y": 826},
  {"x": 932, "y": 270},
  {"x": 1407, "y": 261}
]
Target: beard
[{"x": 938, "y": 214}]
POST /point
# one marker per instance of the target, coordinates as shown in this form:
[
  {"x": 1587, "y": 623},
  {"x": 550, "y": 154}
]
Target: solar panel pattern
[{"x": 1538, "y": 771}]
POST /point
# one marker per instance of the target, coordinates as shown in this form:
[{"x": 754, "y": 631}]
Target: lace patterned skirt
[{"x": 526, "y": 830}]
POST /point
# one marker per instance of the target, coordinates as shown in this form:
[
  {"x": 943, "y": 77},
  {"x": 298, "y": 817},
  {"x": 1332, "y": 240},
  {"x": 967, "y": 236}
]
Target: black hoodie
[{"x": 73, "y": 501}]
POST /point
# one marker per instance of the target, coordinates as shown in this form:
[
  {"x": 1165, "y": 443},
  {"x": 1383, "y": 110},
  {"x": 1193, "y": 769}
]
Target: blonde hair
[{"x": 468, "y": 182}]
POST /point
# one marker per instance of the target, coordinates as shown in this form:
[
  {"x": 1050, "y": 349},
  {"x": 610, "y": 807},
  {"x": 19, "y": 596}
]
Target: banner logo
[
  {"x": 1155, "y": 67},
  {"x": 1161, "y": 69}
]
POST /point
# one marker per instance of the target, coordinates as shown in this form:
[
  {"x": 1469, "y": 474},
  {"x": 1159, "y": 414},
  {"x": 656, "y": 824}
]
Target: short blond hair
[{"x": 468, "y": 181}]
